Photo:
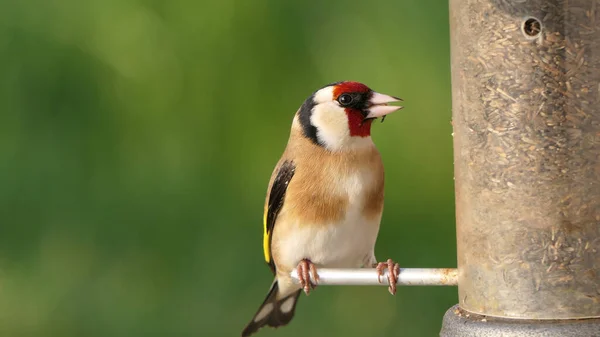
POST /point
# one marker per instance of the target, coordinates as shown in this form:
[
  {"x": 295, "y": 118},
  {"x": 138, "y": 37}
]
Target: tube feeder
[{"x": 526, "y": 120}]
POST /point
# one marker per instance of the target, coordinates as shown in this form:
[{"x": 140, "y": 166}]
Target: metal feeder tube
[{"x": 526, "y": 119}]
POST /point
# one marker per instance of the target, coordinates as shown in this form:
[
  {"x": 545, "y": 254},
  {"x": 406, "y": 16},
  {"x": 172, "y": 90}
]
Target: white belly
[{"x": 347, "y": 244}]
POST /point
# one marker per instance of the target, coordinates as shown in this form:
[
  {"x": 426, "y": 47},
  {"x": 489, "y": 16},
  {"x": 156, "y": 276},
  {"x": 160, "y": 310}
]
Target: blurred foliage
[{"x": 137, "y": 138}]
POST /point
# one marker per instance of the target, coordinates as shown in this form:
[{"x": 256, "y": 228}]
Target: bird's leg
[
  {"x": 305, "y": 270},
  {"x": 393, "y": 272}
]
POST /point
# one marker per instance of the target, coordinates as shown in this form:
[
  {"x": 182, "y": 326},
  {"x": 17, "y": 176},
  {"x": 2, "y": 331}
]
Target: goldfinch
[{"x": 325, "y": 197}]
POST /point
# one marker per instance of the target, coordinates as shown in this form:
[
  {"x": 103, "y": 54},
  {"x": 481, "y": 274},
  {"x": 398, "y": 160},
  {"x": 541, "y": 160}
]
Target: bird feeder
[{"x": 526, "y": 119}]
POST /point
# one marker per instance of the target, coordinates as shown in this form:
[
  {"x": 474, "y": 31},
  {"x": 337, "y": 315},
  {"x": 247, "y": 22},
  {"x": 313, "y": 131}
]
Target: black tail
[{"x": 273, "y": 312}]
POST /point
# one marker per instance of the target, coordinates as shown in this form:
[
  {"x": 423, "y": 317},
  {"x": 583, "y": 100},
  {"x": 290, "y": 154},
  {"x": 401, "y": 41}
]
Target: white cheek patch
[
  {"x": 332, "y": 125},
  {"x": 288, "y": 305},
  {"x": 264, "y": 312}
]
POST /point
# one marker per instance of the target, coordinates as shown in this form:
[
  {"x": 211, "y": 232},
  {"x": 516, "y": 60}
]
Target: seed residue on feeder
[{"x": 526, "y": 96}]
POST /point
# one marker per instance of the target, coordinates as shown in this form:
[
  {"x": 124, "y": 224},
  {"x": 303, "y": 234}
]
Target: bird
[{"x": 324, "y": 200}]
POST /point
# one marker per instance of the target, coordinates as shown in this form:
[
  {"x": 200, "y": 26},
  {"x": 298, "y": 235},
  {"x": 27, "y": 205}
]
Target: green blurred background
[{"x": 137, "y": 138}]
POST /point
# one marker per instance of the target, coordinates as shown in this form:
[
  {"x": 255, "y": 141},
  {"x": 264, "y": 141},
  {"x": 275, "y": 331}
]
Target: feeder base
[{"x": 457, "y": 324}]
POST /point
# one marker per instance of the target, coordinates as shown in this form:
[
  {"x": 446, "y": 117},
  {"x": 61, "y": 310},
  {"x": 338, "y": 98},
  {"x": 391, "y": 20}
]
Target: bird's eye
[{"x": 345, "y": 99}]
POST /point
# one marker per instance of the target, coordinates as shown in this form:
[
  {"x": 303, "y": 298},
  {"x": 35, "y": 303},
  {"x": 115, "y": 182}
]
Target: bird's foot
[
  {"x": 393, "y": 272},
  {"x": 305, "y": 270}
]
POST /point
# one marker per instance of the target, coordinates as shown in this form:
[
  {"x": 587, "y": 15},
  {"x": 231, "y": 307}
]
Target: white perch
[{"x": 368, "y": 277}]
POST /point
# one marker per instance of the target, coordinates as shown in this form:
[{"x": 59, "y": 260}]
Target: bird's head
[{"x": 339, "y": 116}]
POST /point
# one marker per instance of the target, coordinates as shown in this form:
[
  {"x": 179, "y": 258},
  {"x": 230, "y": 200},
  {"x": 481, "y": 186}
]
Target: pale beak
[{"x": 378, "y": 105}]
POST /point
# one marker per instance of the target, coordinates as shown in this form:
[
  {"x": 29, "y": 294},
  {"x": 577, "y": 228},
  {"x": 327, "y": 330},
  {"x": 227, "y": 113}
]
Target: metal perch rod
[{"x": 368, "y": 277}]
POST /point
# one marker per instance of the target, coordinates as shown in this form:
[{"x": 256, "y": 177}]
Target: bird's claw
[
  {"x": 393, "y": 272},
  {"x": 307, "y": 275}
]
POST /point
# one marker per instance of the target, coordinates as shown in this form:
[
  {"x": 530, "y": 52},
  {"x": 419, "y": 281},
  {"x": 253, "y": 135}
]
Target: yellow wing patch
[
  {"x": 266, "y": 239},
  {"x": 273, "y": 206}
]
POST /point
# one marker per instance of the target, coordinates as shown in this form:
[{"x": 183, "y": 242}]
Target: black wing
[{"x": 276, "y": 196}]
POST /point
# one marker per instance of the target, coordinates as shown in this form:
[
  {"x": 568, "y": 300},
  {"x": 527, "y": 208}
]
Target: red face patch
[
  {"x": 349, "y": 87},
  {"x": 359, "y": 127}
]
